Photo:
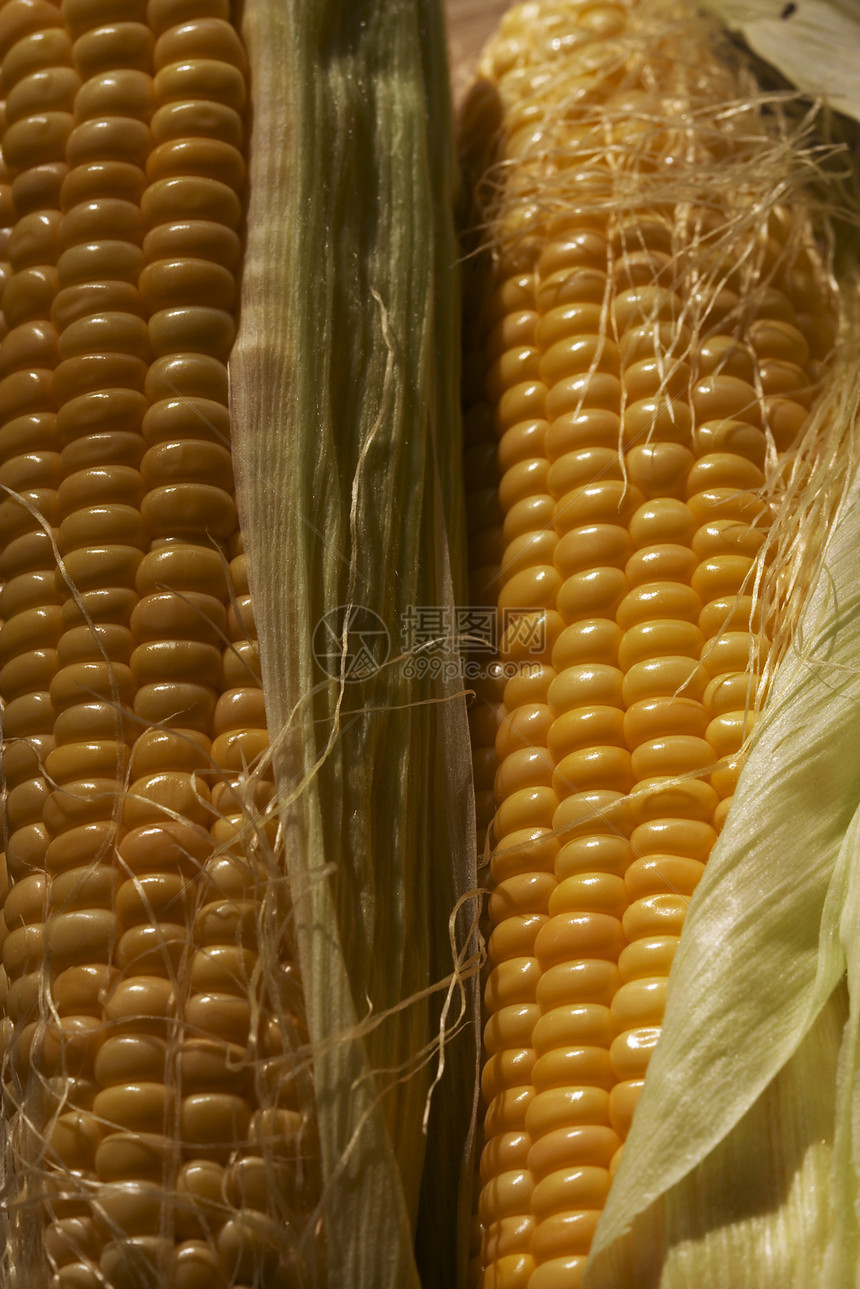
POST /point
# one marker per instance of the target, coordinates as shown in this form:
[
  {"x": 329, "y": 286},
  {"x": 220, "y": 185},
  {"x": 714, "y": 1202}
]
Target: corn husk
[
  {"x": 815, "y": 44},
  {"x": 347, "y": 442}
]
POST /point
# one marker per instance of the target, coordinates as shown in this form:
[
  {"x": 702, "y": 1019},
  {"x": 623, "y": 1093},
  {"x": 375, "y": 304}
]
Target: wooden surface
[{"x": 470, "y": 23}]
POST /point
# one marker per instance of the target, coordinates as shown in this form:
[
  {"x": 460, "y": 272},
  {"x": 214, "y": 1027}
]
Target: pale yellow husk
[{"x": 814, "y": 43}]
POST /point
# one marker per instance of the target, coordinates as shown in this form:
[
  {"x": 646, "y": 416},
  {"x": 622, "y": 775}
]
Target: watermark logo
[{"x": 351, "y": 642}]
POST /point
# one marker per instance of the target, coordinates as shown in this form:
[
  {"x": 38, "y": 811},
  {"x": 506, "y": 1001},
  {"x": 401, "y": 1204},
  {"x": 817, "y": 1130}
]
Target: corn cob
[
  {"x": 651, "y": 346},
  {"x": 154, "y": 1120},
  {"x": 156, "y": 1033}
]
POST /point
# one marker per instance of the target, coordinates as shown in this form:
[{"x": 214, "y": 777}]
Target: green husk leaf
[
  {"x": 347, "y": 438},
  {"x": 741, "y": 1164}
]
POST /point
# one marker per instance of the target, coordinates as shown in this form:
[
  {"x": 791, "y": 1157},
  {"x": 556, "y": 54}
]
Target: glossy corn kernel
[{"x": 632, "y": 372}]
